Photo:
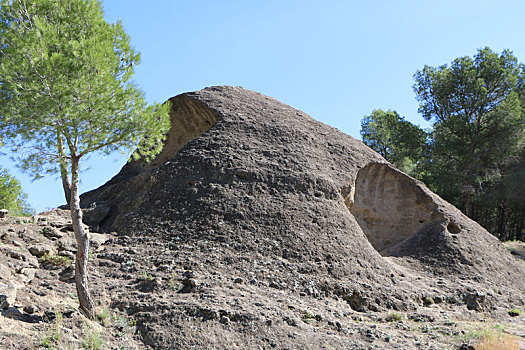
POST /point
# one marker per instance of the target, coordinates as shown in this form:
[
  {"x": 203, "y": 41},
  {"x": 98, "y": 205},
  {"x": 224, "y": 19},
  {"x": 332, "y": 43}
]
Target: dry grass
[{"x": 495, "y": 340}]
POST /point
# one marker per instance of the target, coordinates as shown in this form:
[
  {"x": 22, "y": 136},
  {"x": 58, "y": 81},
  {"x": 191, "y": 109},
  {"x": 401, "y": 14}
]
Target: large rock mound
[{"x": 256, "y": 202}]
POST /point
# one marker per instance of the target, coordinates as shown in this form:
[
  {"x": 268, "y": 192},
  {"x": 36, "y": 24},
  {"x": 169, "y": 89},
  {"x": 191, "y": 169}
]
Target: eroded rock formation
[{"x": 251, "y": 190}]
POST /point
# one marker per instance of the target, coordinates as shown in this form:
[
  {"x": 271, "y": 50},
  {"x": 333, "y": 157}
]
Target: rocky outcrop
[{"x": 250, "y": 189}]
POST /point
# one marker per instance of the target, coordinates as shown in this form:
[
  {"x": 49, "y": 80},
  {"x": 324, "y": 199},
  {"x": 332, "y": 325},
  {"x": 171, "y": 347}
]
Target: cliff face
[{"x": 248, "y": 189}]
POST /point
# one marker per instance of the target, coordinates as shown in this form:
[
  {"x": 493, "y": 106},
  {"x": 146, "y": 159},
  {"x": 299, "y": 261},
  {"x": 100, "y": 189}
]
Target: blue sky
[{"x": 335, "y": 60}]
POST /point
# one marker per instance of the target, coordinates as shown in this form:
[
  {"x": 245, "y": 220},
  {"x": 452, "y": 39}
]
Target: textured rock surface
[{"x": 261, "y": 207}]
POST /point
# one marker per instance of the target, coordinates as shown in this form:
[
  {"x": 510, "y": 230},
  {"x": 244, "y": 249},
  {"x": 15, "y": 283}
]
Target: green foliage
[
  {"x": 427, "y": 301},
  {"x": 56, "y": 260},
  {"x": 514, "y": 312},
  {"x": 394, "y": 317},
  {"x": 474, "y": 156},
  {"x": 92, "y": 338},
  {"x": 103, "y": 316},
  {"x": 65, "y": 86},
  {"x": 172, "y": 282},
  {"x": 308, "y": 316},
  {"x": 54, "y": 333},
  {"x": 146, "y": 276},
  {"x": 11, "y": 196},
  {"x": 478, "y": 123},
  {"x": 396, "y": 139},
  {"x": 66, "y": 93}
]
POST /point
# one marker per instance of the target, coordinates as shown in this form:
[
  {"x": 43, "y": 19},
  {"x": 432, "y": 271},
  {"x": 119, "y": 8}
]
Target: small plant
[
  {"x": 427, "y": 301},
  {"x": 45, "y": 230},
  {"x": 146, "y": 276},
  {"x": 394, "y": 317},
  {"x": 308, "y": 316},
  {"x": 52, "y": 339},
  {"x": 132, "y": 322},
  {"x": 514, "y": 312},
  {"x": 56, "y": 260},
  {"x": 92, "y": 338},
  {"x": 172, "y": 282},
  {"x": 103, "y": 316}
]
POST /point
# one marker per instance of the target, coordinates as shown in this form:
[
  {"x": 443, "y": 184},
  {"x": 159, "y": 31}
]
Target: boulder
[
  {"x": 40, "y": 249},
  {"x": 5, "y": 272},
  {"x": 7, "y": 294}
]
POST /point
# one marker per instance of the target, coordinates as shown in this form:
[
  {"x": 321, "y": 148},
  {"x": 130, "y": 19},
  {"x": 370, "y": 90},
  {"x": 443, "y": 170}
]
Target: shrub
[
  {"x": 514, "y": 312},
  {"x": 394, "y": 317},
  {"x": 427, "y": 301},
  {"x": 56, "y": 260}
]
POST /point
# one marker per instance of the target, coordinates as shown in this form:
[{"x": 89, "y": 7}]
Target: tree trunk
[
  {"x": 66, "y": 185},
  {"x": 64, "y": 174},
  {"x": 501, "y": 223},
  {"x": 81, "y": 279}
]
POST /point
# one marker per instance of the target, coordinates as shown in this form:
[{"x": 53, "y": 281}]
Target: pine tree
[{"x": 65, "y": 93}]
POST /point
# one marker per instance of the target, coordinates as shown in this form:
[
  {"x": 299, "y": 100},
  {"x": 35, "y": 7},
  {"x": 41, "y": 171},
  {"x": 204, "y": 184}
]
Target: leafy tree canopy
[
  {"x": 11, "y": 196},
  {"x": 396, "y": 139},
  {"x": 475, "y": 109},
  {"x": 65, "y": 78}
]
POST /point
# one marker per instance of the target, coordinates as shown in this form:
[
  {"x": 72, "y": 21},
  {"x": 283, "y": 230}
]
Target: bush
[
  {"x": 56, "y": 260},
  {"x": 427, "y": 301},
  {"x": 514, "y": 312},
  {"x": 394, "y": 317}
]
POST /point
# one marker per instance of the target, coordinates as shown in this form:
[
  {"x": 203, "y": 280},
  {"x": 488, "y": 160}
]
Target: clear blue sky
[{"x": 335, "y": 60}]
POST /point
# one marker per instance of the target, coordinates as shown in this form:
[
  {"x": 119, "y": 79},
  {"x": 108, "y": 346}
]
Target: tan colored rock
[
  {"x": 5, "y": 272},
  {"x": 40, "y": 249},
  {"x": 7, "y": 294}
]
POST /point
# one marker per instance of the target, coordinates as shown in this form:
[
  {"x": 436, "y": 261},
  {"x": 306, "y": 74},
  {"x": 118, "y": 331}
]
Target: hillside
[{"x": 260, "y": 227}]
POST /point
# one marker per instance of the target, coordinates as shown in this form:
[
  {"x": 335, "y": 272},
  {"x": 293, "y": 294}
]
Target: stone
[
  {"x": 357, "y": 301},
  {"x": 40, "y": 249},
  {"x": 189, "y": 285},
  {"x": 67, "y": 254},
  {"x": 30, "y": 309},
  {"x": 97, "y": 239},
  {"x": 466, "y": 347},
  {"x": 477, "y": 302},
  {"x": 28, "y": 274},
  {"x": 224, "y": 320},
  {"x": 304, "y": 187},
  {"x": 7, "y": 295},
  {"x": 66, "y": 243},
  {"x": 3, "y": 213},
  {"x": 51, "y": 232},
  {"x": 67, "y": 275},
  {"x": 5, "y": 272},
  {"x": 95, "y": 214}
]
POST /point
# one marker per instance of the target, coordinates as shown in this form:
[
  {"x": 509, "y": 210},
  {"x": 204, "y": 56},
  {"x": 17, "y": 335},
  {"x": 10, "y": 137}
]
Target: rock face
[{"x": 252, "y": 190}]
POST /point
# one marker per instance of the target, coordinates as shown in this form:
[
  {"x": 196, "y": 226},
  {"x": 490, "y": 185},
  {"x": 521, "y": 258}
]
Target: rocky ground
[
  {"x": 138, "y": 283},
  {"x": 39, "y": 307}
]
